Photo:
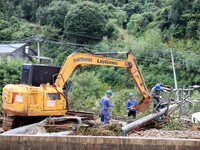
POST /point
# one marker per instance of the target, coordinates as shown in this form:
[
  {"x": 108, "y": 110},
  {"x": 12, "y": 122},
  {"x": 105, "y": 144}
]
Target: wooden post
[
  {"x": 181, "y": 105},
  {"x": 187, "y": 113},
  {"x": 166, "y": 113}
]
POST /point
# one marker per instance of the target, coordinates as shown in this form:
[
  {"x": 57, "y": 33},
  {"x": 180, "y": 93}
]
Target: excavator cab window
[{"x": 54, "y": 96}]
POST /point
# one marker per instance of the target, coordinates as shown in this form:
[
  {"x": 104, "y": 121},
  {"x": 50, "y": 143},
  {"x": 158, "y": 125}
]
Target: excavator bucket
[{"x": 143, "y": 104}]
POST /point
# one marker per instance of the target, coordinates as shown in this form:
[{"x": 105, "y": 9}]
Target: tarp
[{"x": 37, "y": 128}]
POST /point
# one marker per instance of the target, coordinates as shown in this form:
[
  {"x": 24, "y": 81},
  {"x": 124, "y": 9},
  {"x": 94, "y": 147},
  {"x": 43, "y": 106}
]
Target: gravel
[{"x": 167, "y": 134}]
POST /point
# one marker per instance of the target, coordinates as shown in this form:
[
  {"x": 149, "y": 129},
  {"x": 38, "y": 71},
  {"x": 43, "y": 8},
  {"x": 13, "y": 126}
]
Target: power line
[
  {"x": 107, "y": 47},
  {"x": 30, "y": 38},
  {"x": 81, "y": 35},
  {"x": 86, "y": 45}
]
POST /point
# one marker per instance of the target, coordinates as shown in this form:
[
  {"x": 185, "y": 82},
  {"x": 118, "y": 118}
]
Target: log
[{"x": 145, "y": 119}]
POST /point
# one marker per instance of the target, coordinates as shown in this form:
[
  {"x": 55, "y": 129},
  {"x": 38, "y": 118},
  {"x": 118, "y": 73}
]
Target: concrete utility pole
[
  {"x": 38, "y": 48},
  {"x": 174, "y": 71},
  {"x": 38, "y": 44},
  {"x": 145, "y": 119}
]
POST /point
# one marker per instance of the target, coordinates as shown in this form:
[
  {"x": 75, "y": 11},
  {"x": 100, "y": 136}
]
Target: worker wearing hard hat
[
  {"x": 131, "y": 102},
  {"x": 155, "y": 92},
  {"x": 105, "y": 105}
]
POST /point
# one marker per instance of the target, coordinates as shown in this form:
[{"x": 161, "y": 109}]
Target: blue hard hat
[
  {"x": 158, "y": 87},
  {"x": 109, "y": 92},
  {"x": 131, "y": 94}
]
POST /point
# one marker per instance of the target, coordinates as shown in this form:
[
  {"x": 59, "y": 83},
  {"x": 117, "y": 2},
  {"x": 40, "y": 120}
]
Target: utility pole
[
  {"x": 38, "y": 48},
  {"x": 174, "y": 71},
  {"x": 175, "y": 81}
]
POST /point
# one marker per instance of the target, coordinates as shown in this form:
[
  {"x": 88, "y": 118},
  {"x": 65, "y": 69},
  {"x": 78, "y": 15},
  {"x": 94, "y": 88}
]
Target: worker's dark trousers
[
  {"x": 132, "y": 113},
  {"x": 105, "y": 116}
]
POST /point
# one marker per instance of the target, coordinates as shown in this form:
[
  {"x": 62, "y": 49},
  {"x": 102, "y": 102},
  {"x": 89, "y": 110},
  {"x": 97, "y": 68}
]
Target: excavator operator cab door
[{"x": 53, "y": 100}]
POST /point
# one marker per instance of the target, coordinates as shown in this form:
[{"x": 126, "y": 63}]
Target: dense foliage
[{"x": 147, "y": 28}]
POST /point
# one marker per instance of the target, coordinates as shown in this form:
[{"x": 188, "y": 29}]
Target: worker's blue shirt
[
  {"x": 105, "y": 103},
  {"x": 130, "y": 103}
]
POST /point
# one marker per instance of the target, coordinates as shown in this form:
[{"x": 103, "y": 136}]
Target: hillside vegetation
[{"x": 150, "y": 29}]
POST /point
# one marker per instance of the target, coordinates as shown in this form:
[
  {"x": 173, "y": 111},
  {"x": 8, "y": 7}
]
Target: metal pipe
[
  {"x": 109, "y": 53},
  {"x": 145, "y": 119}
]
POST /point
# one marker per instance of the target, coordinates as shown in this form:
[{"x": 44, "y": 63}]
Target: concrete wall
[{"x": 22, "y": 142}]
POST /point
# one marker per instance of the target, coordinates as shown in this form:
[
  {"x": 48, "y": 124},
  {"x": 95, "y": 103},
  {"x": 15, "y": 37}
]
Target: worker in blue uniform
[
  {"x": 131, "y": 102},
  {"x": 105, "y": 105},
  {"x": 155, "y": 92}
]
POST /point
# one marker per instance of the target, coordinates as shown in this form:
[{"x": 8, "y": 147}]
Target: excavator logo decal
[
  {"x": 82, "y": 59},
  {"x": 107, "y": 62}
]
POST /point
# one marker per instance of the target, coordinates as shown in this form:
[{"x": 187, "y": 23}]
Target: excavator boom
[{"x": 77, "y": 60}]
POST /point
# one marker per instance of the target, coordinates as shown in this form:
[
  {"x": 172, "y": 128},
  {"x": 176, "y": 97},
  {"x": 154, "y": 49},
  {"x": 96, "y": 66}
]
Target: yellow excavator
[{"x": 43, "y": 90}]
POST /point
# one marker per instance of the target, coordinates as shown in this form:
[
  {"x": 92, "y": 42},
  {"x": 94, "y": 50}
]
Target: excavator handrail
[{"x": 82, "y": 59}]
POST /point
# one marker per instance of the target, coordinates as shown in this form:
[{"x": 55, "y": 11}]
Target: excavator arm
[{"x": 77, "y": 60}]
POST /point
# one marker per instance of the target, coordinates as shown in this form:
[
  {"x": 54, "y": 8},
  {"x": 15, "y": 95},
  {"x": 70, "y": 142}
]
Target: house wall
[{"x": 20, "y": 53}]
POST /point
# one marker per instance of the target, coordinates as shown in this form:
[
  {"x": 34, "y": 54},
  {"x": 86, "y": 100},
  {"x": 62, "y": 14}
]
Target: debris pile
[{"x": 112, "y": 129}]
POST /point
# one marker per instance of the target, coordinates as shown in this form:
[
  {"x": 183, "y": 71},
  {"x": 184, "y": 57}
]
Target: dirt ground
[{"x": 167, "y": 134}]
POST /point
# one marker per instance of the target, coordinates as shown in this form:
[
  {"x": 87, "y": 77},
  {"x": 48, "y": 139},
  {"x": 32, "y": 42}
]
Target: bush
[{"x": 172, "y": 125}]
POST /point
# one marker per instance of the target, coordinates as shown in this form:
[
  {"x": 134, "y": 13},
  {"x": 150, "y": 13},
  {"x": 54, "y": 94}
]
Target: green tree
[
  {"x": 176, "y": 11},
  {"x": 86, "y": 90},
  {"x": 87, "y": 19},
  {"x": 53, "y": 14},
  {"x": 112, "y": 29},
  {"x": 132, "y": 8},
  {"x": 29, "y": 8},
  {"x": 112, "y": 12},
  {"x": 138, "y": 23},
  {"x": 10, "y": 71},
  {"x": 191, "y": 29}
]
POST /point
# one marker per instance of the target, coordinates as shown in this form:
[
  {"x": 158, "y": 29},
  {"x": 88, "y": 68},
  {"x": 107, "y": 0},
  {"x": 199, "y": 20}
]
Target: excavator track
[
  {"x": 8, "y": 123},
  {"x": 11, "y": 122}
]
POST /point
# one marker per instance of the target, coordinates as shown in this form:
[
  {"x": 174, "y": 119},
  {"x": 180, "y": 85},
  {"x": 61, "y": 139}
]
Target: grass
[{"x": 172, "y": 125}]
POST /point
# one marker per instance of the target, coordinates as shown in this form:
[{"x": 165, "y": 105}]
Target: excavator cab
[{"x": 36, "y": 74}]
